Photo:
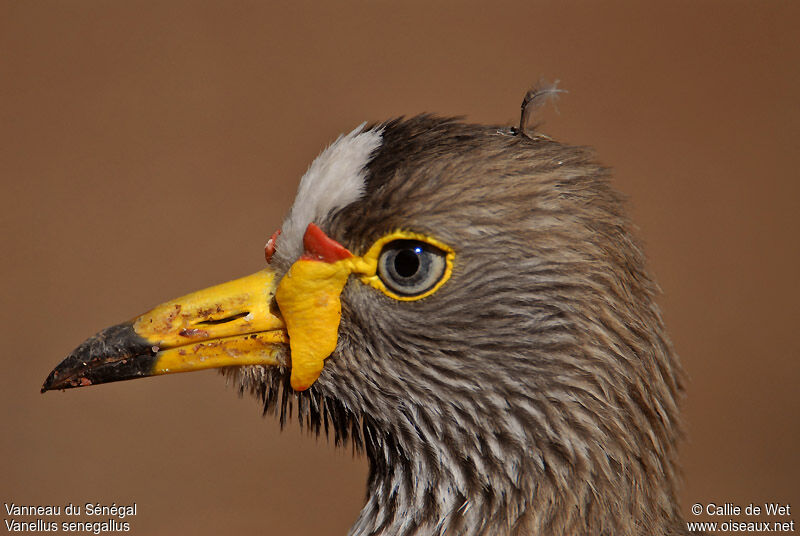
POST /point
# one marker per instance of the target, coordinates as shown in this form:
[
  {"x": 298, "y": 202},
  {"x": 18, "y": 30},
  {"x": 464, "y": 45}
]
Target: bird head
[{"x": 466, "y": 304}]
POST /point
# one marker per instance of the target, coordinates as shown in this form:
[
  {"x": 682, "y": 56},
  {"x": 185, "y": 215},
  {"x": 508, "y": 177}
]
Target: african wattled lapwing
[{"x": 466, "y": 304}]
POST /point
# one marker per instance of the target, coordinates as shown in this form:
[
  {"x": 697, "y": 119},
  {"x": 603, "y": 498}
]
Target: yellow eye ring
[{"x": 369, "y": 268}]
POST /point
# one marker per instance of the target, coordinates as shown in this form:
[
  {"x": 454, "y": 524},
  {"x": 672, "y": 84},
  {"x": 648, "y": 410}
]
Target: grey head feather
[{"x": 536, "y": 392}]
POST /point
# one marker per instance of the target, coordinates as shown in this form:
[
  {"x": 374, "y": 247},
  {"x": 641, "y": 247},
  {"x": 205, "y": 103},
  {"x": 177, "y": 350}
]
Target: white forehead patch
[{"x": 334, "y": 180}]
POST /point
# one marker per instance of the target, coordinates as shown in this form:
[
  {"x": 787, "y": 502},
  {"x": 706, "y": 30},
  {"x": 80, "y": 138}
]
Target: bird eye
[
  {"x": 407, "y": 265},
  {"x": 411, "y": 267}
]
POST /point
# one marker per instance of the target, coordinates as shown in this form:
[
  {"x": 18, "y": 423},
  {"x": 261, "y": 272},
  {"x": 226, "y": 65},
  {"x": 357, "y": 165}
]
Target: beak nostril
[{"x": 223, "y": 320}]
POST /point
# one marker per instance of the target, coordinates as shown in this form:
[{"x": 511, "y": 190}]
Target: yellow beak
[
  {"x": 248, "y": 321},
  {"x": 226, "y": 325}
]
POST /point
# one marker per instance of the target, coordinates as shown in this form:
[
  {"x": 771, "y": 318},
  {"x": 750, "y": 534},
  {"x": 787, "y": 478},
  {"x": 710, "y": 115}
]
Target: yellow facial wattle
[{"x": 308, "y": 297}]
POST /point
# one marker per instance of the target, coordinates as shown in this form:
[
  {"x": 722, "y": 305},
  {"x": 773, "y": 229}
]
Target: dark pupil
[{"x": 406, "y": 263}]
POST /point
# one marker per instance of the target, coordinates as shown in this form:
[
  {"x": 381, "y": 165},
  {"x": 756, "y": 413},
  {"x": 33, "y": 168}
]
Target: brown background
[{"x": 149, "y": 148}]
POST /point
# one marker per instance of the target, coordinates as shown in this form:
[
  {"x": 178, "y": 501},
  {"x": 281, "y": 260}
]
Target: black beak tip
[
  {"x": 50, "y": 383},
  {"x": 116, "y": 353},
  {"x": 66, "y": 376}
]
